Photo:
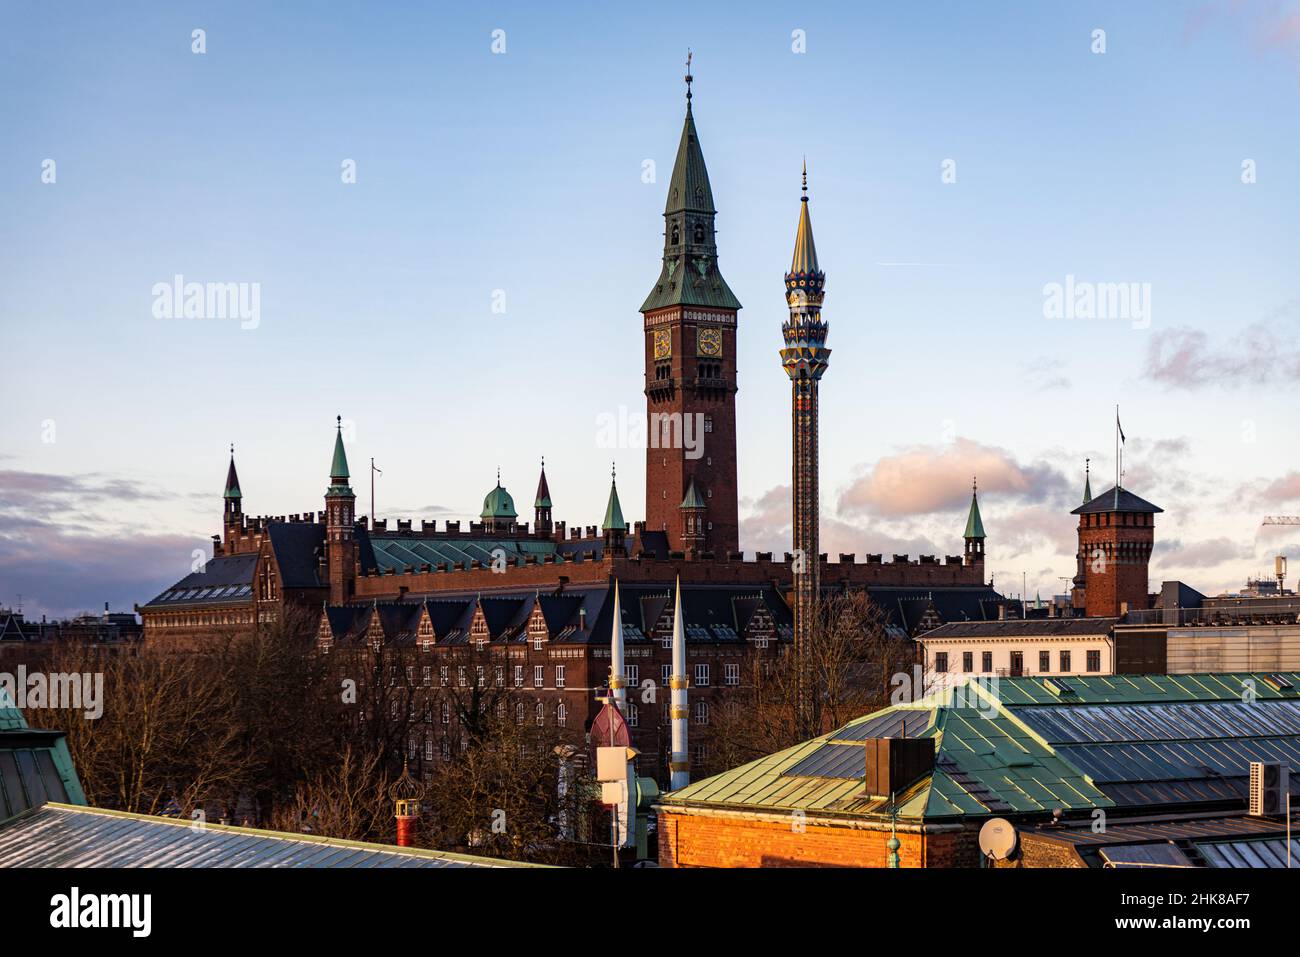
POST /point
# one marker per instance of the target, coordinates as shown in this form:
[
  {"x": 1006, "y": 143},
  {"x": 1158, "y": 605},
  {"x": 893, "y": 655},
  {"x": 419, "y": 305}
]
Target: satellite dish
[{"x": 997, "y": 839}]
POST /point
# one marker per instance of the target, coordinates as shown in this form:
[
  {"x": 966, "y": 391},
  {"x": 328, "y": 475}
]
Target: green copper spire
[
  {"x": 974, "y": 524},
  {"x": 693, "y": 498},
  {"x": 543, "y": 499},
  {"x": 690, "y": 275},
  {"x": 232, "y": 479},
  {"x": 339, "y": 467},
  {"x": 1087, "y": 481},
  {"x": 613, "y": 511}
]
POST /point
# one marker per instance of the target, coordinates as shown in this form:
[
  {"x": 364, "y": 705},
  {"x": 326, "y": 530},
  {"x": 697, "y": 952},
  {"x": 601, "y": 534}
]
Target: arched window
[{"x": 699, "y": 232}]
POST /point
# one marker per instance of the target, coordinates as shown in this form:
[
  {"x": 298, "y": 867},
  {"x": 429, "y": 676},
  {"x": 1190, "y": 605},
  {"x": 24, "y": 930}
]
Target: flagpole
[{"x": 1117, "y": 452}]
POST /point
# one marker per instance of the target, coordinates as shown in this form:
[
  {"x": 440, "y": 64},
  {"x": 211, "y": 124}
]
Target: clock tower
[{"x": 690, "y": 369}]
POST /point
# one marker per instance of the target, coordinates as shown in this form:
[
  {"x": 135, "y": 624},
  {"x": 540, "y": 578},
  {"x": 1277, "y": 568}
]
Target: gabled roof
[
  {"x": 1113, "y": 500},
  {"x": 296, "y": 547},
  {"x": 1022, "y": 628}
]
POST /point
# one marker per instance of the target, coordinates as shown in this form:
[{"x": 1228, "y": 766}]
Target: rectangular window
[
  {"x": 499, "y": 675},
  {"x": 426, "y": 675},
  {"x": 559, "y": 676},
  {"x": 941, "y": 662},
  {"x": 633, "y": 716},
  {"x": 702, "y": 676},
  {"x": 1065, "y": 662},
  {"x": 731, "y": 674},
  {"x": 986, "y": 662},
  {"x": 633, "y": 675},
  {"x": 442, "y": 676},
  {"x": 666, "y": 673},
  {"x": 539, "y": 680},
  {"x": 968, "y": 661},
  {"x": 519, "y": 676},
  {"x": 1094, "y": 661},
  {"x": 701, "y": 712},
  {"x": 1044, "y": 661},
  {"x": 461, "y": 678}
]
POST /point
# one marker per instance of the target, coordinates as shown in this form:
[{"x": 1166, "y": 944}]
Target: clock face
[
  {"x": 663, "y": 344},
  {"x": 710, "y": 342}
]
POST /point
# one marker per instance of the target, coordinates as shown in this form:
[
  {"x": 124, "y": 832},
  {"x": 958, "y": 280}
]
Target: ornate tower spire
[
  {"x": 805, "y": 358},
  {"x": 974, "y": 533},
  {"x": 690, "y": 361},
  {"x": 1087, "y": 481},
  {"x": 542, "y": 505},
  {"x": 339, "y": 506},
  {"x": 679, "y": 762}
]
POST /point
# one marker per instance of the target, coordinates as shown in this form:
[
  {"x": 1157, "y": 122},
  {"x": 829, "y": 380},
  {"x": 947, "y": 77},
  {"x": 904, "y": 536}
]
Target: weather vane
[{"x": 688, "y": 72}]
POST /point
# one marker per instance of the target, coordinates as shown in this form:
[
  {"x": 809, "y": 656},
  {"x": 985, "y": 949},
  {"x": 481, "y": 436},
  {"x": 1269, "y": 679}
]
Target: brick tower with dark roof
[
  {"x": 340, "y": 505},
  {"x": 690, "y": 364},
  {"x": 1116, "y": 537}
]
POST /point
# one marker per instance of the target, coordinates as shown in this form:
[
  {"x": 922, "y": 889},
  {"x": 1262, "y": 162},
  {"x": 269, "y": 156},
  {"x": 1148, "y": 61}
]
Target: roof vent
[
  {"x": 1059, "y": 687},
  {"x": 1280, "y": 682},
  {"x": 894, "y": 763}
]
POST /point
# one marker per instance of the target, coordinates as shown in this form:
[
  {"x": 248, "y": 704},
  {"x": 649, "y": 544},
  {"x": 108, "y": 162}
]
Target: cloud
[
  {"x": 767, "y": 527},
  {"x": 1284, "y": 489},
  {"x": 1183, "y": 358},
  {"x": 1175, "y": 554},
  {"x": 929, "y": 479},
  {"x": 67, "y": 545},
  {"x": 1045, "y": 375}
]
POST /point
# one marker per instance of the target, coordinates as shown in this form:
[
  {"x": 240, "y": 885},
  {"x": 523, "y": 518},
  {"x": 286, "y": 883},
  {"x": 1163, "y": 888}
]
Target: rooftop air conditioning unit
[{"x": 1269, "y": 786}]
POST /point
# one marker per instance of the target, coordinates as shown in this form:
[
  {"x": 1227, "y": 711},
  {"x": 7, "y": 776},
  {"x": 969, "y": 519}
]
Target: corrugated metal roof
[
  {"x": 62, "y": 835},
  {"x": 1266, "y": 853},
  {"x": 1138, "y": 689}
]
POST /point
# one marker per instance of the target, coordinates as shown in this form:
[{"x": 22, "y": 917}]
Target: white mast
[
  {"x": 617, "y": 681},
  {"x": 679, "y": 763}
]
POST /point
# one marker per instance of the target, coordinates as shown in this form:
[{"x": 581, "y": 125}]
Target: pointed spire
[
  {"x": 543, "y": 499},
  {"x": 339, "y": 467},
  {"x": 805, "y": 250},
  {"x": 232, "y": 478},
  {"x": 679, "y": 761},
  {"x": 1087, "y": 481},
  {"x": 689, "y": 186},
  {"x": 974, "y": 524},
  {"x": 617, "y": 682},
  {"x": 613, "y": 510}
]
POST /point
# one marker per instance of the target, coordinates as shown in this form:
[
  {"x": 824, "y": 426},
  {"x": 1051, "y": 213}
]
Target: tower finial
[
  {"x": 805, "y": 179},
  {"x": 689, "y": 78},
  {"x": 974, "y": 484},
  {"x": 339, "y": 419},
  {"x": 613, "y": 472},
  {"x": 498, "y": 476}
]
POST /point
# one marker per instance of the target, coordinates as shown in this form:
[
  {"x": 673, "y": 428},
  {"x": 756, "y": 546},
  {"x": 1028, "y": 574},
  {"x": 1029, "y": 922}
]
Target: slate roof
[
  {"x": 224, "y": 580},
  {"x": 1017, "y": 628},
  {"x": 296, "y": 546},
  {"x": 1110, "y": 501},
  {"x": 62, "y": 835}
]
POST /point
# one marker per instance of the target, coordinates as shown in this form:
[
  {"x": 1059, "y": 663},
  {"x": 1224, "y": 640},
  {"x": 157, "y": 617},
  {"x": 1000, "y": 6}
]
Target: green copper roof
[
  {"x": 339, "y": 467},
  {"x": 498, "y": 504},
  {"x": 37, "y": 764},
  {"x": 232, "y": 480},
  {"x": 1087, "y": 487},
  {"x": 988, "y": 764},
  {"x": 693, "y": 498},
  {"x": 613, "y": 512},
  {"x": 689, "y": 275},
  {"x": 974, "y": 524}
]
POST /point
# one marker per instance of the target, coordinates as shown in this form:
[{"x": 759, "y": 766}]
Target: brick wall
[{"x": 687, "y": 840}]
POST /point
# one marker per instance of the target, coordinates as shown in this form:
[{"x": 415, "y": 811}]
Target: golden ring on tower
[
  {"x": 677, "y": 682},
  {"x": 617, "y": 683},
  {"x": 674, "y": 713}
]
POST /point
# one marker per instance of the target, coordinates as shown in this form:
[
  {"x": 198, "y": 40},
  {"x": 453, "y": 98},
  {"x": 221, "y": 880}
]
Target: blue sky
[{"x": 522, "y": 172}]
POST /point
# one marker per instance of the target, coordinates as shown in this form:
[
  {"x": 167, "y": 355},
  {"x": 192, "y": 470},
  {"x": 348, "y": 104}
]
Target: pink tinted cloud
[{"x": 928, "y": 479}]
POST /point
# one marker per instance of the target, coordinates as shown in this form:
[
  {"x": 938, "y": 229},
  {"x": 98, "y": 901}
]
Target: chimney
[
  {"x": 894, "y": 763},
  {"x": 1002, "y": 612}
]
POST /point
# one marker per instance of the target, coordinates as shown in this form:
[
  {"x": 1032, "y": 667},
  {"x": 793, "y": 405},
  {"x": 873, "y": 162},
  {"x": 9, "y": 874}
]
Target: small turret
[
  {"x": 542, "y": 506},
  {"x": 974, "y": 533},
  {"x": 694, "y": 523},
  {"x": 614, "y": 527},
  {"x": 233, "y": 500},
  {"x": 499, "y": 513},
  {"x": 339, "y": 516}
]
